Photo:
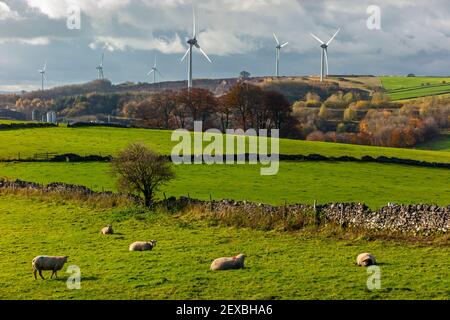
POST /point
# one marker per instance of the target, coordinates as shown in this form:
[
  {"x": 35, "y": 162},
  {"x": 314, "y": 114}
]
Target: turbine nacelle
[
  {"x": 193, "y": 42},
  {"x": 324, "y": 69}
]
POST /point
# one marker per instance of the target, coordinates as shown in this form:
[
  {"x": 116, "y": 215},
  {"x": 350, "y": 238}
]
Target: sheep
[
  {"x": 142, "y": 246},
  {"x": 107, "y": 230},
  {"x": 228, "y": 263},
  {"x": 366, "y": 260},
  {"x": 41, "y": 263}
]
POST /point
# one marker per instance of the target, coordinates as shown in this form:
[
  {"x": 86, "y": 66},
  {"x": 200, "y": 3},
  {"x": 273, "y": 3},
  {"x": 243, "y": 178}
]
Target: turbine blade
[
  {"x": 276, "y": 39},
  {"x": 155, "y": 63},
  {"x": 334, "y": 36},
  {"x": 195, "y": 23},
  {"x": 185, "y": 55},
  {"x": 317, "y": 38},
  {"x": 160, "y": 74},
  {"x": 151, "y": 71},
  {"x": 284, "y": 45},
  {"x": 101, "y": 61},
  {"x": 45, "y": 66},
  {"x": 204, "y": 54}
]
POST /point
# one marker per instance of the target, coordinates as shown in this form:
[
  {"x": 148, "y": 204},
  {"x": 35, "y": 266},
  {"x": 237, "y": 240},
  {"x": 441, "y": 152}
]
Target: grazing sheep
[
  {"x": 107, "y": 230},
  {"x": 366, "y": 260},
  {"x": 228, "y": 263},
  {"x": 143, "y": 246},
  {"x": 41, "y": 263}
]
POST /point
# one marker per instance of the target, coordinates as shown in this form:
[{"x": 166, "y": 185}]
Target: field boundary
[
  {"x": 417, "y": 219},
  {"x": 74, "y": 158}
]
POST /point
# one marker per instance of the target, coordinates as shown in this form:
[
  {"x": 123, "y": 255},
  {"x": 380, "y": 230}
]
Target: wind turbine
[
  {"x": 42, "y": 72},
  {"x": 100, "y": 68},
  {"x": 153, "y": 71},
  {"x": 278, "y": 54},
  {"x": 324, "y": 56},
  {"x": 193, "y": 43}
]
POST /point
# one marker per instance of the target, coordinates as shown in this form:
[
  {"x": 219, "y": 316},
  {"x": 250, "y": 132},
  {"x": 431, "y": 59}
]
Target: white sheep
[
  {"x": 366, "y": 260},
  {"x": 107, "y": 230},
  {"x": 142, "y": 246},
  {"x": 228, "y": 263},
  {"x": 41, "y": 263}
]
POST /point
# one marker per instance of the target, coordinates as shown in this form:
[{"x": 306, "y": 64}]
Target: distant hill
[{"x": 293, "y": 88}]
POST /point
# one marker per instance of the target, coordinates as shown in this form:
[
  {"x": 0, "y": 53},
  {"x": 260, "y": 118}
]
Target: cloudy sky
[{"x": 237, "y": 34}]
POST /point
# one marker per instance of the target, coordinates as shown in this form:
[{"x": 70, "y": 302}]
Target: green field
[
  {"x": 402, "y": 88},
  {"x": 107, "y": 141},
  {"x": 278, "y": 266},
  {"x": 373, "y": 184},
  {"x": 441, "y": 143}
]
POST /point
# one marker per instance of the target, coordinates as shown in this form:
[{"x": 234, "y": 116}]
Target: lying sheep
[
  {"x": 228, "y": 263},
  {"x": 107, "y": 230},
  {"x": 143, "y": 246},
  {"x": 366, "y": 260},
  {"x": 41, "y": 263}
]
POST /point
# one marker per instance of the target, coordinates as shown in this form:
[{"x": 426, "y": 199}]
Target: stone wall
[{"x": 418, "y": 219}]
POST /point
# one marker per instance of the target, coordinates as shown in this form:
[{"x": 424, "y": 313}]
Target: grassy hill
[
  {"x": 402, "y": 88},
  {"x": 107, "y": 141},
  {"x": 178, "y": 268}
]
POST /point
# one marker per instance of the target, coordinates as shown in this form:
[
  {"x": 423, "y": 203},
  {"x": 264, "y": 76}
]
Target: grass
[
  {"x": 370, "y": 183},
  {"x": 279, "y": 265},
  {"x": 441, "y": 143},
  {"x": 107, "y": 141},
  {"x": 402, "y": 88}
]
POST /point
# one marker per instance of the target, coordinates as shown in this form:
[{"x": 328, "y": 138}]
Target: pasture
[
  {"x": 107, "y": 141},
  {"x": 370, "y": 183},
  {"x": 279, "y": 265},
  {"x": 441, "y": 143},
  {"x": 403, "y": 88}
]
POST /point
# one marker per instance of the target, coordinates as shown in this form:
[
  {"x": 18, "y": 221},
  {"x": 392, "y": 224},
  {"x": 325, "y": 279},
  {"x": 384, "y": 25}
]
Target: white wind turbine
[
  {"x": 193, "y": 43},
  {"x": 43, "y": 77},
  {"x": 324, "y": 56},
  {"x": 278, "y": 54},
  {"x": 100, "y": 68},
  {"x": 153, "y": 71}
]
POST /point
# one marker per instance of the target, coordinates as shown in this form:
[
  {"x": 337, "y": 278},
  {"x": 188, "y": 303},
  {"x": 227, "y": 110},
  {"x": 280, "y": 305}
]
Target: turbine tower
[
  {"x": 193, "y": 43},
  {"x": 278, "y": 54},
  {"x": 42, "y": 72},
  {"x": 324, "y": 56},
  {"x": 153, "y": 71},
  {"x": 100, "y": 68}
]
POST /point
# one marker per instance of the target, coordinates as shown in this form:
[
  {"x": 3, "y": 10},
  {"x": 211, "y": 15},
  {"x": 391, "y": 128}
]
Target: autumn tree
[{"x": 141, "y": 171}]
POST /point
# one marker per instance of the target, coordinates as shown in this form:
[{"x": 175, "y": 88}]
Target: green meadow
[
  {"x": 441, "y": 143},
  {"x": 370, "y": 183},
  {"x": 278, "y": 265},
  {"x": 403, "y": 88},
  {"x": 108, "y": 141}
]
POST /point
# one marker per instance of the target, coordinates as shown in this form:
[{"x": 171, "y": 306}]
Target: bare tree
[{"x": 141, "y": 171}]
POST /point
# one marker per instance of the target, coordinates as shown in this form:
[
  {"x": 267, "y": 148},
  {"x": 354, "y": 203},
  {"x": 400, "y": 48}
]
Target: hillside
[
  {"x": 403, "y": 88},
  {"x": 107, "y": 141}
]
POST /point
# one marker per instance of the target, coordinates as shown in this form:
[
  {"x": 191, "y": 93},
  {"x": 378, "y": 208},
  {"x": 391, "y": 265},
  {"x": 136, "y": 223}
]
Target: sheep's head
[
  {"x": 65, "y": 259},
  {"x": 241, "y": 256},
  {"x": 368, "y": 262},
  {"x": 153, "y": 243}
]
